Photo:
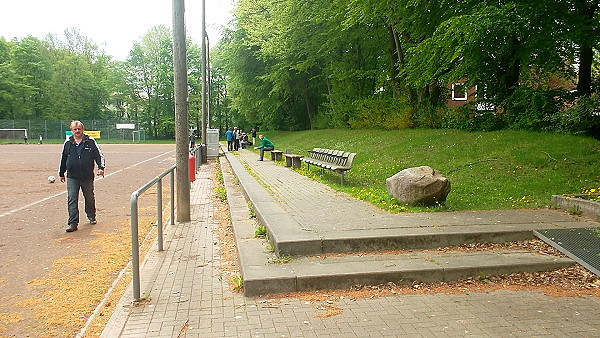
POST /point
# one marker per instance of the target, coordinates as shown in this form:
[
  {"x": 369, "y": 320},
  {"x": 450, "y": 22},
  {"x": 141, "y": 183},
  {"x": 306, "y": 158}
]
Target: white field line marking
[{"x": 64, "y": 192}]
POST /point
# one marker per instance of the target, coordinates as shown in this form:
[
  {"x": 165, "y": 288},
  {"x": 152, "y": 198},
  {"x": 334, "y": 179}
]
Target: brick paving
[{"x": 190, "y": 298}]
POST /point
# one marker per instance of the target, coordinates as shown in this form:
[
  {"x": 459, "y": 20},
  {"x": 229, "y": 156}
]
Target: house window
[{"x": 459, "y": 92}]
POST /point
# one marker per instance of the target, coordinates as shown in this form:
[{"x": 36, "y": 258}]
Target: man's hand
[
  {"x": 101, "y": 172},
  {"x": 62, "y": 179},
  {"x": 255, "y": 147}
]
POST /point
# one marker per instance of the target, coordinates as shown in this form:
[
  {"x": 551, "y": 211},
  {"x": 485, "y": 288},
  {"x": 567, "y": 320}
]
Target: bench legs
[
  {"x": 293, "y": 162},
  {"x": 342, "y": 173},
  {"x": 276, "y": 155}
]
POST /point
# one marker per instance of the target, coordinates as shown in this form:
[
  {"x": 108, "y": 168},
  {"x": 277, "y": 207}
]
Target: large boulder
[{"x": 420, "y": 185}]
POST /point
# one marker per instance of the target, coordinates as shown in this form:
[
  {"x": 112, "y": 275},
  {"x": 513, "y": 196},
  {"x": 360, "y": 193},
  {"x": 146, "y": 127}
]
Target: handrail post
[
  {"x": 159, "y": 221},
  {"x": 135, "y": 247},
  {"x": 172, "y": 179}
]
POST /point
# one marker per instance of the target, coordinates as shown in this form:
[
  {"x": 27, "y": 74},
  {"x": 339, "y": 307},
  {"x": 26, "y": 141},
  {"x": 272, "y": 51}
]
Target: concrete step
[
  {"x": 265, "y": 276},
  {"x": 417, "y": 238}
]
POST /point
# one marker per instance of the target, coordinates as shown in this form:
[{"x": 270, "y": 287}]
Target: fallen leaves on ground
[{"x": 573, "y": 281}]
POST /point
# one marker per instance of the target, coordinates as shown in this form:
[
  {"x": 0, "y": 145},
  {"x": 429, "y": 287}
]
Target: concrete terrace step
[
  {"x": 305, "y": 218},
  {"x": 314, "y": 273}
]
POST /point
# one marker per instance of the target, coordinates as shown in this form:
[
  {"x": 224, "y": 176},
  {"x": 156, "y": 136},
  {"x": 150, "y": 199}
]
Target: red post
[{"x": 192, "y": 168}]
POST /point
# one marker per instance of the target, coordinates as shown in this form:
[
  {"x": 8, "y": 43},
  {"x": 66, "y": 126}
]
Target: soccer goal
[
  {"x": 13, "y": 135},
  {"x": 138, "y": 136}
]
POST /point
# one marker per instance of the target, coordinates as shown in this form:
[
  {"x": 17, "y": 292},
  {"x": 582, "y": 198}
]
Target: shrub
[
  {"x": 466, "y": 118},
  {"x": 429, "y": 115},
  {"x": 532, "y": 109},
  {"x": 582, "y": 118},
  {"x": 390, "y": 114}
]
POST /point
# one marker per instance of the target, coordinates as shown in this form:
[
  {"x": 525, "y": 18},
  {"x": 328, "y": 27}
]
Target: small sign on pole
[{"x": 126, "y": 126}]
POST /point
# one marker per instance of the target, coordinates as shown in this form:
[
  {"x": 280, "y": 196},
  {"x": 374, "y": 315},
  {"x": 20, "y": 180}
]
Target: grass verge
[{"x": 487, "y": 170}]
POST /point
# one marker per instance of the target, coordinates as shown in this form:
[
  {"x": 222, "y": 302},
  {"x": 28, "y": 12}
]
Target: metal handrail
[{"x": 135, "y": 245}]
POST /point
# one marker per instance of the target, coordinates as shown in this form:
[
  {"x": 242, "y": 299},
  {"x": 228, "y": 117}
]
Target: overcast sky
[{"x": 112, "y": 24}]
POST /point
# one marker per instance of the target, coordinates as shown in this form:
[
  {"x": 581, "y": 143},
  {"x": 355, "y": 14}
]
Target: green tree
[
  {"x": 33, "y": 71},
  {"x": 249, "y": 94},
  {"x": 488, "y": 46},
  {"x": 584, "y": 25},
  {"x": 9, "y": 87},
  {"x": 79, "y": 87},
  {"x": 77, "y": 91},
  {"x": 150, "y": 77}
]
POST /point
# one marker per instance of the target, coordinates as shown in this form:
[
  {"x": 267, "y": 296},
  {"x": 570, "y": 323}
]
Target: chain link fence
[{"x": 55, "y": 129}]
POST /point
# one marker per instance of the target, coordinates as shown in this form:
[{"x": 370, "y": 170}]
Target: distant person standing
[
  {"x": 236, "y": 138},
  {"x": 239, "y": 138},
  {"x": 253, "y": 133},
  {"x": 192, "y": 140},
  {"x": 25, "y": 139},
  {"x": 79, "y": 153},
  {"x": 41, "y": 138},
  {"x": 229, "y": 137},
  {"x": 265, "y": 145}
]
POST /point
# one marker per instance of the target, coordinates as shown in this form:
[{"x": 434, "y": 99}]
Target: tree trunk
[
  {"x": 409, "y": 90},
  {"x": 586, "y": 12},
  {"x": 393, "y": 54},
  {"x": 584, "y": 81},
  {"x": 360, "y": 65},
  {"x": 512, "y": 71},
  {"x": 310, "y": 110}
]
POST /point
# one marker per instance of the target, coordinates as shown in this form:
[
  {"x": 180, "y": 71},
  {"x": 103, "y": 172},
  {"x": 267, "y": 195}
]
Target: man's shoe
[
  {"x": 72, "y": 228},
  {"x": 92, "y": 220},
  {"x": 260, "y": 159}
]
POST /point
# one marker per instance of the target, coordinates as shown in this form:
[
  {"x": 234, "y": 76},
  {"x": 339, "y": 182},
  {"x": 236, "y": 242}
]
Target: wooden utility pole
[{"x": 181, "y": 112}]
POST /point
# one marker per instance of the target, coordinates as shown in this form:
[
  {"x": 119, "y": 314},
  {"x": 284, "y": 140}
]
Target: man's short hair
[{"x": 75, "y": 123}]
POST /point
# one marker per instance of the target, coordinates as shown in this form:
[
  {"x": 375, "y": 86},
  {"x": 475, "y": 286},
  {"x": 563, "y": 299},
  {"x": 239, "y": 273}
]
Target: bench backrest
[{"x": 337, "y": 157}]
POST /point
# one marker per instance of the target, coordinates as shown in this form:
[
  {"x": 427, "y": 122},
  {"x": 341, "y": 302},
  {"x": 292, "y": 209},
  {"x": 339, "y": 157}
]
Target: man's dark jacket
[{"x": 80, "y": 166}]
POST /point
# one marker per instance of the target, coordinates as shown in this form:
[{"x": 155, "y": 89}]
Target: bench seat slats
[{"x": 338, "y": 161}]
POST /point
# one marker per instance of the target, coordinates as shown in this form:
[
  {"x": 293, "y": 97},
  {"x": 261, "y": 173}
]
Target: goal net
[
  {"x": 138, "y": 136},
  {"x": 13, "y": 134}
]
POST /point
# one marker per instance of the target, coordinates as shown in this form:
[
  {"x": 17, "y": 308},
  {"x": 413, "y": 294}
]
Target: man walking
[{"x": 79, "y": 153}]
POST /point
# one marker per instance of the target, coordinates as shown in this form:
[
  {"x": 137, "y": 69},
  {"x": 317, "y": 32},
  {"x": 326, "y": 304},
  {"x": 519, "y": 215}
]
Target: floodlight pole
[{"x": 181, "y": 112}]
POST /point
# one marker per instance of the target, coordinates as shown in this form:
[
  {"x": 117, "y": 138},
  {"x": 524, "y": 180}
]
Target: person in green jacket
[{"x": 265, "y": 145}]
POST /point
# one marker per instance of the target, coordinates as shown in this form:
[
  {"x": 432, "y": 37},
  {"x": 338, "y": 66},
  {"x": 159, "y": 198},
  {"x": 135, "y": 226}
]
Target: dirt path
[{"x": 39, "y": 261}]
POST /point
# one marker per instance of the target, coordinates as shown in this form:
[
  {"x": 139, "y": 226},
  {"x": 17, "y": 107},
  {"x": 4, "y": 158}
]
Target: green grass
[{"x": 487, "y": 170}]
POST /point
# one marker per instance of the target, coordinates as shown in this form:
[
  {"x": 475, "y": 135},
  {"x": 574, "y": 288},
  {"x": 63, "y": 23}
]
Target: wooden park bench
[
  {"x": 338, "y": 161},
  {"x": 276, "y": 155},
  {"x": 292, "y": 160}
]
